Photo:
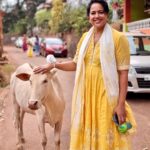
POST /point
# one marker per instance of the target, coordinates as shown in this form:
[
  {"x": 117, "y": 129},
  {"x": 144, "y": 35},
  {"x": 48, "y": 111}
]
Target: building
[{"x": 137, "y": 17}]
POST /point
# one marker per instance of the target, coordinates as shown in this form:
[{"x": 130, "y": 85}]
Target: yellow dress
[{"x": 98, "y": 130}]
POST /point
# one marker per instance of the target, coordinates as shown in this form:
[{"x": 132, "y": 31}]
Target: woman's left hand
[
  {"x": 43, "y": 69},
  {"x": 121, "y": 113}
]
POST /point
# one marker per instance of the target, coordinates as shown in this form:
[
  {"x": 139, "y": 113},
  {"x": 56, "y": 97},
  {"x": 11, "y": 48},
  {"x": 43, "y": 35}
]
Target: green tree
[
  {"x": 23, "y": 9},
  {"x": 66, "y": 23},
  {"x": 76, "y": 20},
  {"x": 56, "y": 14},
  {"x": 42, "y": 18},
  {"x": 80, "y": 21},
  {"x": 20, "y": 27}
]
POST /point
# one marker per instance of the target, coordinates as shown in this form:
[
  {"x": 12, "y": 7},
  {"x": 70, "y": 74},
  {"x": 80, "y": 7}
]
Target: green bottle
[{"x": 123, "y": 128}]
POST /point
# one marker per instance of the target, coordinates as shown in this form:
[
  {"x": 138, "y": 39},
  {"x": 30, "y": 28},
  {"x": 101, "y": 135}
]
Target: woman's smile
[{"x": 97, "y": 16}]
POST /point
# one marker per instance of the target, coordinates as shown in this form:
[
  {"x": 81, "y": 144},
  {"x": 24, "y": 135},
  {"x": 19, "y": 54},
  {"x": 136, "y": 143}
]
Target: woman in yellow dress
[{"x": 101, "y": 62}]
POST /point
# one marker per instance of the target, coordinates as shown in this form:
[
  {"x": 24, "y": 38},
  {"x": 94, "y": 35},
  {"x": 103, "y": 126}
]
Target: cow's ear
[
  {"x": 24, "y": 71},
  {"x": 23, "y": 76}
]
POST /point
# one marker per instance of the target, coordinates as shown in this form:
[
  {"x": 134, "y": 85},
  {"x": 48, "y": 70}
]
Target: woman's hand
[
  {"x": 44, "y": 68},
  {"x": 121, "y": 113},
  {"x": 123, "y": 85}
]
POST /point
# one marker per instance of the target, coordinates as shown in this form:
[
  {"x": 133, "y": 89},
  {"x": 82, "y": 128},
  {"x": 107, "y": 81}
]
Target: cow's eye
[{"x": 45, "y": 81}]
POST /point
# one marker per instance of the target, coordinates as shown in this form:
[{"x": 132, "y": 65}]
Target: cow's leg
[
  {"x": 17, "y": 125},
  {"x": 57, "y": 131},
  {"x": 22, "y": 113},
  {"x": 41, "y": 125},
  {"x": 43, "y": 135}
]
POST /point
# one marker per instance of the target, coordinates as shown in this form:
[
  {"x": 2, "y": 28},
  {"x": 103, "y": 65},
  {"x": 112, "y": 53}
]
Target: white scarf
[{"x": 109, "y": 70}]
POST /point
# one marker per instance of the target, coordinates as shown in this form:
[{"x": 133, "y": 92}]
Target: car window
[
  {"x": 139, "y": 45},
  {"x": 54, "y": 41},
  {"x": 146, "y": 42}
]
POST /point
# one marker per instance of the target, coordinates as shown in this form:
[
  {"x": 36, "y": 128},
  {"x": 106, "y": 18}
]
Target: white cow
[{"x": 39, "y": 94}]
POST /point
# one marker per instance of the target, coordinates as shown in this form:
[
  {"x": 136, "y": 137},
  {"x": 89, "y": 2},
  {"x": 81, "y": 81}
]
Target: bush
[
  {"x": 76, "y": 20},
  {"x": 42, "y": 17},
  {"x": 5, "y": 73},
  {"x": 21, "y": 27}
]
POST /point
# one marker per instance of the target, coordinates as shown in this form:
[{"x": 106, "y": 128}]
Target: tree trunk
[
  {"x": 1, "y": 34},
  {"x": 1, "y": 48}
]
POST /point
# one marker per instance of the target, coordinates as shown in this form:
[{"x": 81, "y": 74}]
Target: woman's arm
[
  {"x": 65, "y": 66},
  {"x": 123, "y": 84}
]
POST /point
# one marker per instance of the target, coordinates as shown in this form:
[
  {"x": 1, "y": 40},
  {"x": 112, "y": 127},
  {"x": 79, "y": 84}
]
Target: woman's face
[{"x": 97, "y": 16}]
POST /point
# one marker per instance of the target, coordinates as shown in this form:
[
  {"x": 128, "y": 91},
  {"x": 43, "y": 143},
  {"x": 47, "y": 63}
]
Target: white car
[
  {"x": 19, "y": 42},
  {"x": 139, "y": 72}
]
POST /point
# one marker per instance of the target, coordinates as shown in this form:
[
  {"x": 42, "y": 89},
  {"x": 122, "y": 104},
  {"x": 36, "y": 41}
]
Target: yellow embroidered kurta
[{"x": 98, "y": 131}]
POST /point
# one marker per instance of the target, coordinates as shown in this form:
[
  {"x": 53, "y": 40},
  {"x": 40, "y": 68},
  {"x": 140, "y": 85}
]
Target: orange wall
[{"x": 127, "y": 11}]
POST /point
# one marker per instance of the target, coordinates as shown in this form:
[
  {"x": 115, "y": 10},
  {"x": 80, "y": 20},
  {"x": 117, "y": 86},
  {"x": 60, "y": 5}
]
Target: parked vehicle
[
  {"x": 54, "y": 46},
  {"x": 19, "y": 42},
  {"x": 139, "y": 72}
]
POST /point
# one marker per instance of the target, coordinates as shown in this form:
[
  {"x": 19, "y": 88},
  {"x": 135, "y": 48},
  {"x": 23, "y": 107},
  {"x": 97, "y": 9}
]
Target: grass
[{"x": 5, "y": 73}]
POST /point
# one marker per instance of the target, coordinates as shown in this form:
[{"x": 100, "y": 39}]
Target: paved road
[{"x": 140, "y": 104}]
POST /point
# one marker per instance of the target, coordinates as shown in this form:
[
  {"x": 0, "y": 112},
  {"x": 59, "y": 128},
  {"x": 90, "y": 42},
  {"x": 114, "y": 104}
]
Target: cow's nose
[{"x": 33, "y": 105}]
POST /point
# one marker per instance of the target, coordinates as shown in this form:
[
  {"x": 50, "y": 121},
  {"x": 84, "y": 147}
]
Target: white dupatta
[{"x": 109, "y": 71}]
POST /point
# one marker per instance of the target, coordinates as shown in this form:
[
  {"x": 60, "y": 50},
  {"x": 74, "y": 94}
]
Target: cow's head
[{"x": 41, "y": 85}]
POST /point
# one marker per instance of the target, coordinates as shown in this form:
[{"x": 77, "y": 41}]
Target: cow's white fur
[{"x": 46, "y": 90}]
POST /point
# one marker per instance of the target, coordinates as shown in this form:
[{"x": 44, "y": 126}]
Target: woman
[
  {"x": 101, "y": 63},
  {"x": 24, "y": 45},
  {"x": 37, "y": 45}
]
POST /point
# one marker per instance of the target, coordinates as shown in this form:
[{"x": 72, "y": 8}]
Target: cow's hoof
[{"x": 20, "y": 147}]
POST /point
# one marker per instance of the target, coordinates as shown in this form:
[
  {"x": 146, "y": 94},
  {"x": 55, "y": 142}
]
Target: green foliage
[
  {"x": 11, "y": 18},
  {"x": 19, "y": 13},
  {"x": 110, "y": 15},
  {"x": 80, "y": 20},
  {"x": 5, "y": 73},
  {"x": 61, "y": 18},
  {"x": 118, "y": 1},
  {"x": 73, "y": 19},
  {"x": 56, "y": 14},
  {"x": 42, "y": 16},
  {"x": 21, "y": 26},
  {"x": 65, "y": 24}
]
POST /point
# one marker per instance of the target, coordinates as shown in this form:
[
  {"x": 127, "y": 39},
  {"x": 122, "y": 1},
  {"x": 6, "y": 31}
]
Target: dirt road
[{"x": 140, "y": 104}]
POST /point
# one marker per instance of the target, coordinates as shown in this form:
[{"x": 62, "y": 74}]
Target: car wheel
[{"x": 64, "y": 55}]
